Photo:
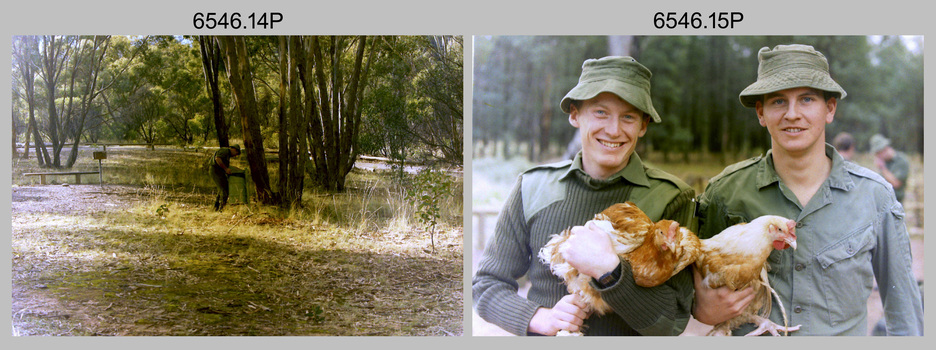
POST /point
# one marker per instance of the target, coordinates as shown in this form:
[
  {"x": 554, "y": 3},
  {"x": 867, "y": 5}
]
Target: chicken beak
[{"x": 791, "y": 242}]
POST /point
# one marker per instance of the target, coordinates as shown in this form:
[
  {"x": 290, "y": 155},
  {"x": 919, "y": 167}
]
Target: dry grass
[{"x": 344, "y": 264}]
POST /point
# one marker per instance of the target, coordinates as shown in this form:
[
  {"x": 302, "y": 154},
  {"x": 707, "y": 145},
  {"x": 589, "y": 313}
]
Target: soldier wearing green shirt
[
  {"x": 611, "y": 107},
  {"x": 892, "y": 165},
  {"x": 850, "y": 228}
]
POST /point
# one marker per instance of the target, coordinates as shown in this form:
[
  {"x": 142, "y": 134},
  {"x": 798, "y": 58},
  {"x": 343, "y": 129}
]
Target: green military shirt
[
  {"x": 551, "y": 198},
  {"x": 850, "y": 234},
  {"x": 225, "y": 154},
  {"x": 900, "y": 167}
]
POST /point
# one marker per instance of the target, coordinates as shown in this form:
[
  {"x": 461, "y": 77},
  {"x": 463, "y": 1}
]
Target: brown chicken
[
  {"x": 671, "y": 249},
  {"x": 737, "y": 258},
  {"x": 655, "y": 251}
]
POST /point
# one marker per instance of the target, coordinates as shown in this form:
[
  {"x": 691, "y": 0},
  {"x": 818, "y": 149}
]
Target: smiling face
[
  {"x": 610, "y": 128},
  {"x": 796, "y": 119}
]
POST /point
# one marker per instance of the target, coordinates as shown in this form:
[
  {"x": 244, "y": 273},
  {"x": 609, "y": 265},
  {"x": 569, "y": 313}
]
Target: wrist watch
[{"x": 609, "y": 278}]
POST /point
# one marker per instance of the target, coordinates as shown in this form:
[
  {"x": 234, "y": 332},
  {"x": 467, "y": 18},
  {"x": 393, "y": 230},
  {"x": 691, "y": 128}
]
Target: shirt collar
[
  {"x": 838, "y": 176},
  {"x": 634, "y": 172}
]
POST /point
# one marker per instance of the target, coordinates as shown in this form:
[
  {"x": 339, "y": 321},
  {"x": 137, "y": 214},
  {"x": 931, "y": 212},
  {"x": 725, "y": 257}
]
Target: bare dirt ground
[{"x": 83, "y": 266}]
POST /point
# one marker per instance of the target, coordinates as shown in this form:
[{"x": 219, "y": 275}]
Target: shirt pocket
[{"x": 846, "y": 274}]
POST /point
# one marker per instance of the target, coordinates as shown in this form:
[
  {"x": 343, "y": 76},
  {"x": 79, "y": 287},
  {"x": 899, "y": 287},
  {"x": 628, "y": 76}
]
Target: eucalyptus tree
[
  {"x": 212, "y": 65},
  {"x": 340, "y": 78},
  {"x": 240, "y": 76},
  {"x": 25, "y": 62}
]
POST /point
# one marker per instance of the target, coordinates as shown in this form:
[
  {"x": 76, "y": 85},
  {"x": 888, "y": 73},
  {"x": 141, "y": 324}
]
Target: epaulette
[
  {"x": 665, "y": 176},
  {"x": 540, "y": 186},
  {"x": 860, "y": 171},
  {"x": 736, "y": 167},
  {"x": 550, "y": 166}
]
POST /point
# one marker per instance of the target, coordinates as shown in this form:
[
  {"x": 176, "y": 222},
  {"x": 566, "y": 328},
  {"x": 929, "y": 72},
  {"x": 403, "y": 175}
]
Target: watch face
[{"x": 605, "y": 279}]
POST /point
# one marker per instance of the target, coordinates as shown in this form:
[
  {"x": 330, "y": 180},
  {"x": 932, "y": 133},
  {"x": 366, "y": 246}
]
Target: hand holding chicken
[
  {"x": 655, "y": 251},
  {"x": 737, "y": 258}
]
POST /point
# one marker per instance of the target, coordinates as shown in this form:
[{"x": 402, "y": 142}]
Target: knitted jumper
[{"x": 557, "y": 197}]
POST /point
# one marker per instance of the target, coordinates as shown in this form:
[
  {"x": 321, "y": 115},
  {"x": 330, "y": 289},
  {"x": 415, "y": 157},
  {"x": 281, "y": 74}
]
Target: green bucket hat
[
  {"x": 878, "y": 142},
  {"x": 787, "y": 67},
  {"x": 620, "y": 75},
  {"x": 237, "y": 147}
]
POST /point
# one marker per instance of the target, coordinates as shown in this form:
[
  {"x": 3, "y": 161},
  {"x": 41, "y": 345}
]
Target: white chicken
[{"x": 737, "y": 258}]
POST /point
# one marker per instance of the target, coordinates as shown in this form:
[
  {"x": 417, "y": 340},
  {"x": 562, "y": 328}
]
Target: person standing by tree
[
  {"x": 850, "y": 229},
  {"x": 219, "y": 169},
  {"x": 611, "y": 107},
  {"x": 892, "y": 165}
]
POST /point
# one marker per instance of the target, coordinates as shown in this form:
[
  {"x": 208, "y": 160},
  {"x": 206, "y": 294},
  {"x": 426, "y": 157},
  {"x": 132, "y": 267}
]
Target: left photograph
[{"x": 237, "y": 185}]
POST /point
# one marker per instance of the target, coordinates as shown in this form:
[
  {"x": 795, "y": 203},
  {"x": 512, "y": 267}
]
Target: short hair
[{"x": 843, "y": 141}]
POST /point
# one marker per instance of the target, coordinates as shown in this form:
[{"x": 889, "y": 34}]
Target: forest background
[
  {"x": 519, "y": 80},
  {"x": 333, "y": 97}
]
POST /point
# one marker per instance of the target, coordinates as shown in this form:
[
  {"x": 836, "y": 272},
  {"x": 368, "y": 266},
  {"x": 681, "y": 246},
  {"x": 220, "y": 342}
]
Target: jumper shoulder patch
[{"x": 540, "y": 187}]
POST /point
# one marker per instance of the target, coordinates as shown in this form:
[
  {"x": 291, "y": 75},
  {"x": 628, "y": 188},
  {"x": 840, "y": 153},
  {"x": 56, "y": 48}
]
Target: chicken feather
[
  {"x": 737, "y": 258},
  {"x": 655, "y": 251}
]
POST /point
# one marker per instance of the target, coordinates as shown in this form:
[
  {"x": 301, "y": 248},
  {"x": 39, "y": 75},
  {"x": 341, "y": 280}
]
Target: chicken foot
[{"x": 766, "y": 325}]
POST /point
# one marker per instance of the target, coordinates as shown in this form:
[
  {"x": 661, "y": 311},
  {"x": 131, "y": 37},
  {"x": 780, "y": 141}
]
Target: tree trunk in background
[
  {"x": 90, "y": 91},
  {"x": 23, "y": 58},
  {"x": 26, "y": 141},
  {"x": 340, "y": 112},
  {"x": 546, "y": 117},
  {"x": 53, "y": 56},
  {"x": 241, "y": 78},
  {"x": 211, "y": 62},
  {"x": 285, "y": 97},
  {"x": 620, "y": 45},
  {"x": 298, "y": 126},
  {"x": 292, "y": 136}
]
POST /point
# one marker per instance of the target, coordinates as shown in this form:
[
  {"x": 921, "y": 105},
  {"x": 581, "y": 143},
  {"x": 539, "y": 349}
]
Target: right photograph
[{"x": 697, "y": 185}]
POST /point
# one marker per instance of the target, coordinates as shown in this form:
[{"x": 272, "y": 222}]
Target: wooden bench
[{"x": 42, "y": 176}]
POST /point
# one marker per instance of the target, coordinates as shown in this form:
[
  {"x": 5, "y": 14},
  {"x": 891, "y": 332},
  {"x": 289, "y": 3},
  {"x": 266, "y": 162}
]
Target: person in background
[
  {"x": 892, "y": 165},
  {"x": 844, "y": 143},
  {"x": 219, "y": 169}
]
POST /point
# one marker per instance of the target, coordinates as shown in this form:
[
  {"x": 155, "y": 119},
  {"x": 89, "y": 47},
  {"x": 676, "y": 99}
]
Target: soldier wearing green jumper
[
  {"x": 850, "y": 228},
  {"x": 612, "y": 109}
]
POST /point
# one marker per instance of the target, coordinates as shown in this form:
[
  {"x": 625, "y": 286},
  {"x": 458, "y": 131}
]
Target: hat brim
[
  {"x": 627, "y": 92},
  {"x": 790, "y": 79}
]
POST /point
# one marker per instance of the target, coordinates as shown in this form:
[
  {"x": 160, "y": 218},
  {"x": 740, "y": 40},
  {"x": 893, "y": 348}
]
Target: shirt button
[
  {"x": 799, "y": 225},
  {"x": 800, "y": 267},
  {"x": 797, "y": 309},
  {"x": 850, "y": 250}
]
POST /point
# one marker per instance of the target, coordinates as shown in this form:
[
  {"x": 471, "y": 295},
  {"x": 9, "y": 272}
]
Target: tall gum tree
[
  {"x": 334, "y": 129},
  {"x": 237, "y": 62}
]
